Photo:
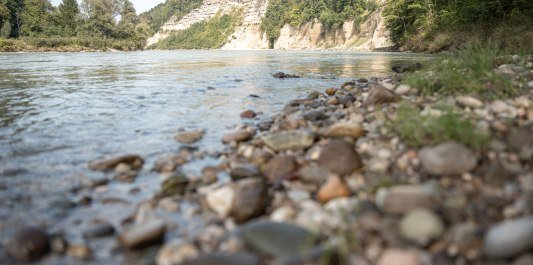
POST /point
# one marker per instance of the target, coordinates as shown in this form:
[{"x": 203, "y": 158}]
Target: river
[{"x": 60, "y": 110}]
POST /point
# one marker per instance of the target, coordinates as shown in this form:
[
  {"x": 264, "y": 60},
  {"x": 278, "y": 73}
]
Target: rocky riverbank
[{"x": 371, "y": 172}]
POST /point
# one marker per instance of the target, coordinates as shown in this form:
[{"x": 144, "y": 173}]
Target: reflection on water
[{"x": 60, "y": 110}]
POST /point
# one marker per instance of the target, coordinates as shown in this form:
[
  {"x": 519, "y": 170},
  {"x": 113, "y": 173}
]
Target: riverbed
[{"x": 58, "y": 111}]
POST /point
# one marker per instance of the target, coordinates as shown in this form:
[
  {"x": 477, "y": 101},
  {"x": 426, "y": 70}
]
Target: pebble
[
  {"x": 134, "y": 161},
  {"x": 248, "y": 114},
  {"x": 220, "y": 200},
  {"x": 279, "y": 167},
  {"x": 313, "y": 174},
  {"x": 250, "y": 199},
  {"x": 333, "y": 188},
  {"x": 289, "y": 140},
  {"x": 237, "y": 136},
  {"x": 403, "y": 90},
  {"x": 448, "y": 158},
  {"x": 176, "y": 252},
  {"x": 339, "y": 157},
  {"x": 421, "y": 226},
  {"x": 379, "y": 95},
  {"x": 314, "y": 115},
  {"x": 280, "y": 240},
  {"x": 404, "y": 198},
  {"x": 346, "y": 129},
  {"x": 143, "y": 235},
  {"x": 400, "y": 257},
  {"x": 509, "y": 238},
  {"x": 99, "y": 230},
  {"x": 244, "y": 170},
  {"x": 242, "y": 258},
  {"x": 471, "y": 102},
  {"x": 78, "y": 251},
  {"x": 190, "y": 137},
  {"x": 174, "y": 185},
  {"x": 29, "y": 244}
]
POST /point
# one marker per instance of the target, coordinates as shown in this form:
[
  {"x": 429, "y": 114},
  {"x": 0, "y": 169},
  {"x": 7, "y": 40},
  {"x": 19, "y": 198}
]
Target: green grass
[
  {"x": 418, "y": 130},
  {"x": 210, "y": 34},
  {"x": 468, "y": 71}
]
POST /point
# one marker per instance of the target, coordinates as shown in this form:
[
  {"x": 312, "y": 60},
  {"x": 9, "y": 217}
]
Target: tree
[
  {"x": 128, "y": 20},
  {"x": 36, "y": 17},
  {"x": 68, "y": 17},
  {"x": 100, "y": 17},
  {"x": 4, "y": 20}
]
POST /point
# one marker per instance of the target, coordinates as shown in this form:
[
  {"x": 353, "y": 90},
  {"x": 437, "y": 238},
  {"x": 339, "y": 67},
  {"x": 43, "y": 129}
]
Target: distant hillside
[{"x": 157, "y": 16}]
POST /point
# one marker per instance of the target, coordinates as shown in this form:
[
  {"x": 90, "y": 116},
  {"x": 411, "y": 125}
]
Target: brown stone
[
  {"x": 237, "y": 136},
  {"x": 339, "y": 157},
  {"x": 190, "y": 137},
  {"x": 279, "y": 167},
  {"x": 379, "y": 95},
  {"x": 248, "y": 114},
  {"x": 333, "y": 188},
  {"x": 134, "y": 161}
]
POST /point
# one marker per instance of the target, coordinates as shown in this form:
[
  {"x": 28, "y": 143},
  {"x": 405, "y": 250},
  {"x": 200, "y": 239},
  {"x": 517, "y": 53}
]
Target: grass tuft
[{"x": 419, "y": 130}]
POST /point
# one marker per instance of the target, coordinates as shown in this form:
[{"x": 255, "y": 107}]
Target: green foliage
[
  {"x": 37, "y": 17},
  {"x": 58, "y": 43},
  {"x": 68, "y": 17},
  {"x": 157, "y": 16},
  {"x": 331, "y": 13},
  {"x": 469, "y": 71},
  {"x": 210, "y": 34},
  {"x": 426, "y": 19},
  {"x": 419, "y": 130}
]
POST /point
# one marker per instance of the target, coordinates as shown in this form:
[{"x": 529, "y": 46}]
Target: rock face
[
  {"x": 447, "y": 159},
  {"x": 510, "y": 238},
  {"x": 369, "y": 35},
  {"x": 29, "y": 244}
]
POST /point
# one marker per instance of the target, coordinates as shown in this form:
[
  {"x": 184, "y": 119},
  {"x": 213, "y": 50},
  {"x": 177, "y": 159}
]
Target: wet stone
[
  {"x": 134, "y": 161},
  {"x": 348, "y": 85},
  {"x": 447, "y": 159},
  {"x": 339, "y": 157},
  {"x": 190, "y": 137},
  {"x": 279, "y": 240},
  {"x": 143, "y": 235},
  {"x": 175, "y": 185},
  {"x": 509, "y": 238},
  {"x": 279, "y": 167},
  {"x": 248, "y": 114},
  {"x": 29, "y": 244},
  {"x": 99, "y": 230},
  {"x": 289, "y": 140},
  {"x": 237, "y": 136}
]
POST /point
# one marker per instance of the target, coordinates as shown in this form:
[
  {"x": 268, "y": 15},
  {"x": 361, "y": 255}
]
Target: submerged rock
[
  {"x": 190, "y": 137},
  {"x": 248, "y": 114},
  {"x": 29, "y": 244},
  {"x": 509, "y": 238},
  {"x": 289, "y": 140},
  {"x": 134, "y": 161},
  {"x": 282, "y": 75},
  {"x": 448, "y": 158},
  {"x": 280, "y": 240},
  {"x": 403, "y": 68},
  {"x": 339, "y": 157}
]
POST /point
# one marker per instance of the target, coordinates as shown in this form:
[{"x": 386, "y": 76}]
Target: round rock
[
  {"x": 448, "y": 158},
  {"x": 509, "y": 238},
  {"x": 29, "y": 244},
  {"x": 421, "y": 226}
]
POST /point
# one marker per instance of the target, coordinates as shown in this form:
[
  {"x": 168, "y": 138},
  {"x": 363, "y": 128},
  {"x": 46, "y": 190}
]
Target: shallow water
[{"x": 60, "y": 110}]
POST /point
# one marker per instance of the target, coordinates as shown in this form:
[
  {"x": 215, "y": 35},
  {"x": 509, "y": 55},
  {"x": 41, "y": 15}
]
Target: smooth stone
[
  {"x": 333, "y": 188},
  {"x": 248, "y": 114},
  {"x": 242, "y": 258},
  {"x": 345, "y": 129},
  {"x": 509, "y": 238},
  {"x": 99, "y": 230},
  {"x": 28, "y": 244},
  {"x": 403, "y": 90},
  {"x": 220, "y": 200},
  {"x": 400, "y": 257},
  {"x": 143, "y": 235},
  {"x": 244, "y": 170},
  {"x": 279, "y": 167},
  {"x": 313, "y": 174},
  {"x": 78, "y": 251},
  {"x": 314, "y": 115},
  {"x": 237, "y": 136},
  {"x": 176, "y": 252},
  {"x": 190, "y": 137},
  {"x": 331, "y": 91},
  {"x": 251, "y": 198},
  {"x": 404, "y": 198},
  {"x": 421, "y": 226},
  {"x": 339, "y": 157},
  {"x": 280, "y": 240},
  {"x": 448, "y": 158},
  {"x": 175, "y": 185},
  {"x": 348, "y": 85},
  {"x": 471, "y": 102},
  {"x": 289, "y": 140},
  {"x": 379, "y": 95},
  {"x": 134, "y": 161}
]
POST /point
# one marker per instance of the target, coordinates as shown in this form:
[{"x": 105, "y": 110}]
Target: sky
[{"x": 140, "y": 5}]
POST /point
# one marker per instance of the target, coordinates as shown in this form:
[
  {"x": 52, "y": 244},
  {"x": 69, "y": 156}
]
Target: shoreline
[{"x": 325, "y": 175}]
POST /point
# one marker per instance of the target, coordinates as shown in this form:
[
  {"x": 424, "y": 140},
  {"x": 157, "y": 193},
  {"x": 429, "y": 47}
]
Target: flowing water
[{"x": 60, "y": 110}]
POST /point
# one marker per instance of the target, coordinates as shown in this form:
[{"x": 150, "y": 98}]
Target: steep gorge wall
[{"x": 369, "y": 35}]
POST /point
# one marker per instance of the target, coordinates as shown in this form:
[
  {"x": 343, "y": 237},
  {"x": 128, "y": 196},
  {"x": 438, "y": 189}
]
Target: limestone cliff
[{"x": 369, "y": 35}]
